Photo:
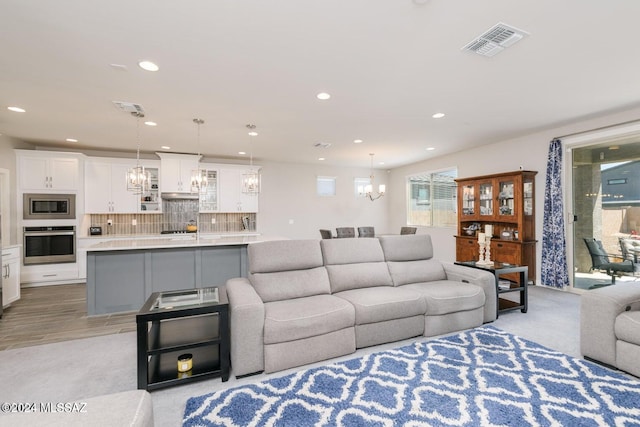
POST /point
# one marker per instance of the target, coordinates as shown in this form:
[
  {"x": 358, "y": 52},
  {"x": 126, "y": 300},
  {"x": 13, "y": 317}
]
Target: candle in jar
[{"x": 481, "y": 237}]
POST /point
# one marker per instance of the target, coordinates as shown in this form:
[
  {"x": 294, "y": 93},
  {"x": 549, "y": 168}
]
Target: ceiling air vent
[
  {"x": 495, "y": 39},
  {"x": 129, "y": 107},
  {"x": 322, "y": 144}
]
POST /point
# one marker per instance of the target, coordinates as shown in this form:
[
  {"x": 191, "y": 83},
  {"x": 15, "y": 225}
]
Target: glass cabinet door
[
  {"x": 528, "y": 197},
  {"x": 468, "y": 200},
  {"x": 486, "y": 199},
  {"x": 209, "y": 199},
  {"x": 506, "y": 198}
]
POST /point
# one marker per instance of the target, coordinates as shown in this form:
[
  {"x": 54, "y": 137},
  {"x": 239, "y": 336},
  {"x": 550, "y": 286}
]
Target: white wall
[
  {"x": 8, "y": 161},
  {"x": 529, "y": 151},
  {"x": 289, "y": 193}
]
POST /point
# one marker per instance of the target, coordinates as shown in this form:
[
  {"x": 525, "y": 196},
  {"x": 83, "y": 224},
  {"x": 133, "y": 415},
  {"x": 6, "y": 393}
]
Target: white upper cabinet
[
  {"x": 106, "y": 188},
  {"x": 176, "y": 170},
  {"x": 232, "y": 199},
  {"x": 48, "y": 171}
]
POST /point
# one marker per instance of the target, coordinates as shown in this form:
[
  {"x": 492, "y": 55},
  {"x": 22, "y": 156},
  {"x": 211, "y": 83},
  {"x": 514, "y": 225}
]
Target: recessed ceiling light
[
  {"x": 242, "y": 153},
  {"x": 323, "y": 96},
  {"x": 357, "y": 141},
  {"x": 430, "y": 148},
  {"x": 148, "y": 65},
  {"x": 438, "y": 115},
  {"x": 16, "y": 109},
  {"x": 166, "y": 147},
  {"x": 320, "y": 158},
  {"x": 381, "y": 163},
  {"x": 253, "y": 133},
  {"x": 614, "y": 147},
  {"x": 118, "y": 67},
  {"x": 71, "y": 140},
  {"x": 151, "y": 123}
]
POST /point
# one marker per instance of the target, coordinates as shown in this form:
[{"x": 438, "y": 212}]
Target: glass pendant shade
[
  {"x": 251, "y": 182},
  {"x": 367, "y": 190},
  {"x": 138, "y": 180},
  {"x": 199, "y": 181}
]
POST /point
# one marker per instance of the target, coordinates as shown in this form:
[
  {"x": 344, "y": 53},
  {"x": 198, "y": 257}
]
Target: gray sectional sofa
[
  {"x": 308, "y": 300},
  {"x": 610, "y": 326}
]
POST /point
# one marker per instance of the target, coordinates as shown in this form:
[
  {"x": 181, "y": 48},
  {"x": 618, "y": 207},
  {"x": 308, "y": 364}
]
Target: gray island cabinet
[{"x": 122, "y": 275}]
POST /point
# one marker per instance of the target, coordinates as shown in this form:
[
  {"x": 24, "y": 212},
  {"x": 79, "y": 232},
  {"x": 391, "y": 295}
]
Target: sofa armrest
[
  {"x": 598, "y": 311},
  {"x": 246, "y": 311},
  {"x": 484, "y": 279}
]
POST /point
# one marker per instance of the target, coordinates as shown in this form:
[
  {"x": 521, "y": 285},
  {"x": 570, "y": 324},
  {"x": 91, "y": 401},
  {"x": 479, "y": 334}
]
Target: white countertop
[{"x": 178, "y": 241}]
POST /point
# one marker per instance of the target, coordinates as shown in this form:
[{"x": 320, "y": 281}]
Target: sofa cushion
[
  {"x": 627, "y": 327},
  {"x": 290, "y": 284},
  {"x": 299, "y": 318},
  {"x": 379, "y": 304},
  {"x": 406, "y": 272},
  {"x": 284, "y": 255},
  {"x": 448, "y": 296},
  {"x": 355, "y": 276},
  {"x": 407, "y": 247},
  {"x": 355, "y": 263},
  {"x": 351, "y": 251}
]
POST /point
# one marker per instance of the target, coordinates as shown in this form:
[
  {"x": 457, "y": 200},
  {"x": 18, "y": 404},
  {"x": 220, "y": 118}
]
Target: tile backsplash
[{"x": 175, "y": 218}]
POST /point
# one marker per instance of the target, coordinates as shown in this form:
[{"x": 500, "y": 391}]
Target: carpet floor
[
  {"x": 484, "y": 376},
  {"x": 82, "y": 368}
]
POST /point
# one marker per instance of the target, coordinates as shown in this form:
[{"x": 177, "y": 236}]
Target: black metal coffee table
[{"x": 170, "y": 324}]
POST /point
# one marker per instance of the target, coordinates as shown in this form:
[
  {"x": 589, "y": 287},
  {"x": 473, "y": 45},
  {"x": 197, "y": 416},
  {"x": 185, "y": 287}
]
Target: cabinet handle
[
  {"x": 499, "y": 245},
  {"x": 8, "y": 271}
]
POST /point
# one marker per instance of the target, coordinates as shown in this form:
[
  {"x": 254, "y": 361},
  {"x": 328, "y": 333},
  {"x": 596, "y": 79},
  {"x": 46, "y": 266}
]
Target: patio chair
[
  {"x": 630, "y": 250},
  {"x": 600, "y": 260}
]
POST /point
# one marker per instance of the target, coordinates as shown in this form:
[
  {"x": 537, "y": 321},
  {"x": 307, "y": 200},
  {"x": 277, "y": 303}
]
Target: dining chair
[
  {"x": 326, "y": 234},
  {"x": 408, "y": 230},
  {"x": 342, "y": 232},
  {"x": 366, "y": 232}
]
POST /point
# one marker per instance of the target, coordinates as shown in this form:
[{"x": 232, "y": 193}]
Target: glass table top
[{"x": 189, "y": 297}]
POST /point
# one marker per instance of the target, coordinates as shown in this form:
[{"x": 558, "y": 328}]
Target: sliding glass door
[{"x": 606, "y": 209}]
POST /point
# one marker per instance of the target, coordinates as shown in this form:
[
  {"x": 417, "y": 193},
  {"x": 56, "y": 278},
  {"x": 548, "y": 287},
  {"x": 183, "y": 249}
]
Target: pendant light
[
  {"x": 367, "y": 191},
  {"x": 199, "y": 180},
  {"x": 138, "y": 178},
  {"x": 251, "y": 178}
]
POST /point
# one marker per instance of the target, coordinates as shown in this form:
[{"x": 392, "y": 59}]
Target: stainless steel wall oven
[
  {"x": 49, "y": 206},
  {"x": 49, "y": 245}
]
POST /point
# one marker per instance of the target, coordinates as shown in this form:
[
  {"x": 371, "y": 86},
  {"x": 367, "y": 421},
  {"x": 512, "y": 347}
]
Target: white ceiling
[{"x": 388, "y": 64}]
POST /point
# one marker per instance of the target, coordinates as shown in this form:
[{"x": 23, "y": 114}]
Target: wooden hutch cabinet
[{"x": 506, "y": 202}]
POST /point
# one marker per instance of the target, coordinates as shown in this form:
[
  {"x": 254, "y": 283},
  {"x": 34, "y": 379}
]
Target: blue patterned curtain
[{"x": 554, "y": 247}]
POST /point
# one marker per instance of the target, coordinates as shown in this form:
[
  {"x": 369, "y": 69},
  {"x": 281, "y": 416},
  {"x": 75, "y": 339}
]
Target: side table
[
  {"x": 498, "y": 269},
  {"x": 170, "y": 324}
]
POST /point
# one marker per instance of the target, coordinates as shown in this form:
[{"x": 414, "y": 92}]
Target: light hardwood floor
[{"x": 49, "y": 314}]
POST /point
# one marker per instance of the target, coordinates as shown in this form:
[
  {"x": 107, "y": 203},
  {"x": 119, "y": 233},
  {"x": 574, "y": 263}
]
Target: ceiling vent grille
[
  {"x": 129, "y": 107},
  {"x": 495, "y": 40},
  {"x": 322, "y": 144}
]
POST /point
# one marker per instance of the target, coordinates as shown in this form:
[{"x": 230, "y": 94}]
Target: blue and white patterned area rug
[{"x": 479, "y": 377}]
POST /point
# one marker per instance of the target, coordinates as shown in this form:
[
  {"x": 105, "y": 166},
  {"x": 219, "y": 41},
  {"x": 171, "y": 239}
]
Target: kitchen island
[{"x": 122, "y": 273}]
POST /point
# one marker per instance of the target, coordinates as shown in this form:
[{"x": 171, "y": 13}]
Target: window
[
  {"x": 359, "y": 184},
  {"x": 326, "y": 186},
  {"x": 432, "y": 199}
]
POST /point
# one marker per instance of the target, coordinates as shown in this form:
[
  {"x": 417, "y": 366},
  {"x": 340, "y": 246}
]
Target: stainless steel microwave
[{"x": 49, "y": 206}]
